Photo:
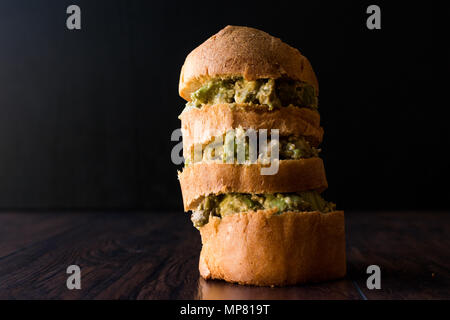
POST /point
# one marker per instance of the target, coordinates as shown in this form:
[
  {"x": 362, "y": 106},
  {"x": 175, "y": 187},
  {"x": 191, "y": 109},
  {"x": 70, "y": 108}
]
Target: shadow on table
[{"x": 220, "y": 290}]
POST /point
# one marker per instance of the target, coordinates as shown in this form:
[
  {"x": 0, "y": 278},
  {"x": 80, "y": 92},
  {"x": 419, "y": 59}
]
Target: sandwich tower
[{"x": 258, "y": 229}]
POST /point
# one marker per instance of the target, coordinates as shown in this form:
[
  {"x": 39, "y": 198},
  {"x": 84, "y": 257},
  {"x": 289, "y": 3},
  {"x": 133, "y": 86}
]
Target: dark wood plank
[
  {"x": 121, "y": 256},
  {"x": 155, "y": 256},
  {"x": 20, "y": 229},
  {"x": 412, "y": 250}
]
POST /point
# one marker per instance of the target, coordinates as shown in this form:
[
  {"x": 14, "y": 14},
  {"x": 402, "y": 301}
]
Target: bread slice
[
  {"x": 199, "y": 126},
  {"x": 246, "y": 52},
  {"x": 264, "y": 248},
  {"x": 204, "y": 178}
]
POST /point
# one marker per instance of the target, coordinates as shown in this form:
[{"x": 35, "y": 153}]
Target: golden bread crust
[
  {"x": 199, "y": 126},
  {"x": 203, "y": 178},
  {"x": 263, "y": 248},
  {"x": 247, "y": 52}
]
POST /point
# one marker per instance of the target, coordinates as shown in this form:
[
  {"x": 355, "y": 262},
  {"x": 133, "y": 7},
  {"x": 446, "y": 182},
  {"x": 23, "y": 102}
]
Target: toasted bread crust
[
  {"x": 199, "y": 126},
  {"x": 246, "y": 52},
  {"x": 263, "y": 248},
  {"x": 202, "y": 179}
]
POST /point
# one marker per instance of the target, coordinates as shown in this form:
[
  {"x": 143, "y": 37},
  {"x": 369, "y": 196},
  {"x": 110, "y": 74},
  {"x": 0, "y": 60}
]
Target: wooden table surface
[{"x": 129, "y": 255}]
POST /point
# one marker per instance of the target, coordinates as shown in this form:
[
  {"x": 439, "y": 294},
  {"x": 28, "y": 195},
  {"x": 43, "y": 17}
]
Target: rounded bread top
[{"x": 243, "y": 52}]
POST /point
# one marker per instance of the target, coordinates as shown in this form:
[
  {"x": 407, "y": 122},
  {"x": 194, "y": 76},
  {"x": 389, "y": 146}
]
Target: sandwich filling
[
  {"x": 226, "y": 204},
  {"x": 290, "y": 148},
  {"x": 274, "y": 93}
]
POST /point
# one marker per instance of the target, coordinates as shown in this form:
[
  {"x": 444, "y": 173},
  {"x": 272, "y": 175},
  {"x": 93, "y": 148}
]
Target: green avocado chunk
[
  {"x": 227, "y": 204},
  {"x": 290, "y": 148},
  {"x": 274, "y": 93},
  {"x": 214, "y": 91},
  {"x": 235, "y": 202}
]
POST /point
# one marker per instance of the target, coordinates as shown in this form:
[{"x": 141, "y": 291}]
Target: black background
[{"x": 86, "y": 116}]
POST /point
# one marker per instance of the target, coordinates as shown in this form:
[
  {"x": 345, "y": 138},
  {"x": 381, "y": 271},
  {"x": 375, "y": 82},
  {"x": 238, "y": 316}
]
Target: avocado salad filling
[
  {"x": 290, "y": 148},
  {"x": 226, "y": 204},
  {"x": 273, "y": 93}
]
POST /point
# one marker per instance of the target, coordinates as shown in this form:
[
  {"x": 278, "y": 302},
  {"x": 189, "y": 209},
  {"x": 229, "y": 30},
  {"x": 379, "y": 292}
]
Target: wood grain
[
  {"x": 131, "y": 255},
  {"x": 412, "y": 250}
]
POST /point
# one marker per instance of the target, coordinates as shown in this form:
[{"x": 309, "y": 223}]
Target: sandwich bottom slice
[{"x": 269, "y": 248}]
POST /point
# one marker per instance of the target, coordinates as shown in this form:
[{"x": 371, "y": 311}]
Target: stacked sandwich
[{"x": 260, "y": 229}]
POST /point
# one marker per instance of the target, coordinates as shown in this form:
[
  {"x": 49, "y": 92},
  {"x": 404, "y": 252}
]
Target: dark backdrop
[{"x": 86, "y": 116}]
